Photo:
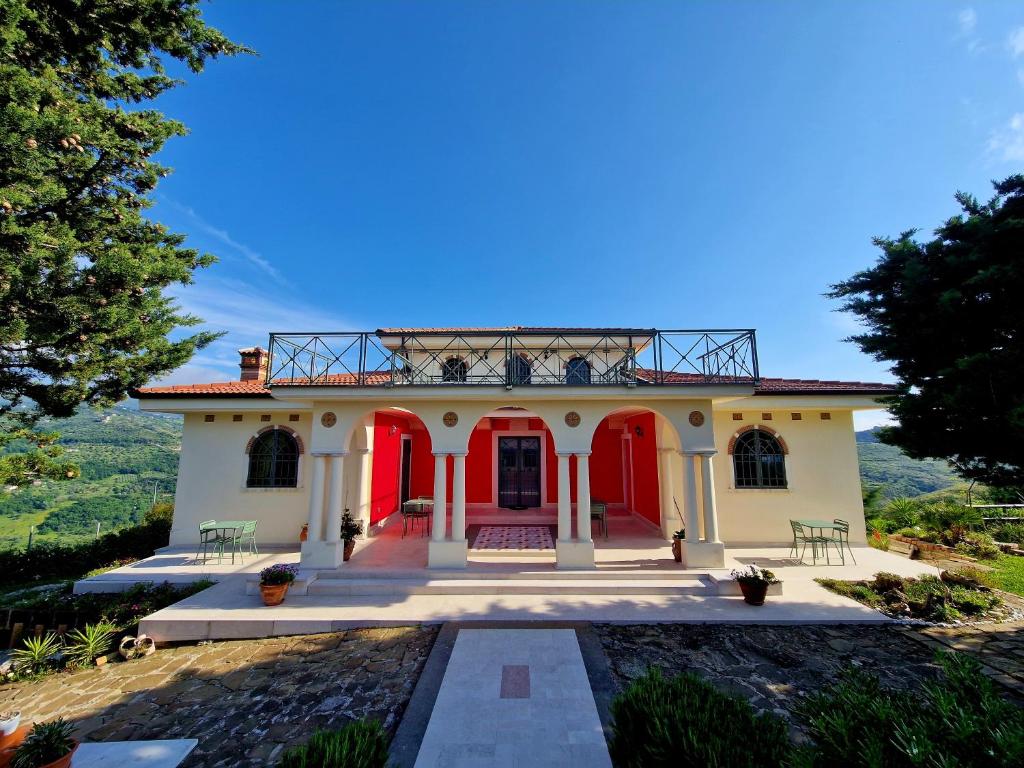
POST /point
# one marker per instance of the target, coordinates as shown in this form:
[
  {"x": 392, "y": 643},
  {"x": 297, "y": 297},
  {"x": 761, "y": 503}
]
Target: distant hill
[
  {"x": 126, "y": 456},
  {"x": 900, "y": 475}
]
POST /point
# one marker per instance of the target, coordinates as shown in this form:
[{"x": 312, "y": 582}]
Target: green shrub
[
  {"x": 979, "y": 545},
  {"x": 950, "y": 520},
  {"x": 87, "y": 645},
  {"x": 44, "y": 744},
  {"x": 51, "y": 562},
  {"x": 36, "y": 654},
  {"x": 360, "y": 744},
  {"x": 901, "y": 513},
  {"x": 686, "y": 721},
  {"x": 1012, "y": 533},
  {"x": 971, "y": 601},
  {"x": 958, "y": 720}
]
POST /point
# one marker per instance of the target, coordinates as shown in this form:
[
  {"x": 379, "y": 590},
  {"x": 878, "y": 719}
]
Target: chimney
[{"x": 254, "y": 363}]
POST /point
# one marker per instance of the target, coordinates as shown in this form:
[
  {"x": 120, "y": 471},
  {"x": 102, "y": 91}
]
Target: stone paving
[
  {"x": 773, "y": 666},
  {"x": 246, "y": 701}
]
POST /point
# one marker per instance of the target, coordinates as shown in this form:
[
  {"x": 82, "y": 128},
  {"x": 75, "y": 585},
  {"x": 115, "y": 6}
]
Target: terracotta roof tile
[
  {"x": 767, "y": 386},
  {"x": 512, "y": 329}
]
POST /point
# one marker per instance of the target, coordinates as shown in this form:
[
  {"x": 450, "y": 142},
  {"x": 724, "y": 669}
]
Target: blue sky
[{"x": 668, "y": 164}]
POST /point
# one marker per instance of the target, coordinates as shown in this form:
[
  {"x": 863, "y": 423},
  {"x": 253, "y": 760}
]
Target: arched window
[
  {"x": 273, "y": 460},
  {"x": 517, "y": 370},
  {"x": 577, "y": 371},
  {"x": 759, "y": 460},
  {"x": 453, "y": 369}
]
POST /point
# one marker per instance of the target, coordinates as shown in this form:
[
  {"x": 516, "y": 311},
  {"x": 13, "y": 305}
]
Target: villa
[{"x": 516, "y": 437}]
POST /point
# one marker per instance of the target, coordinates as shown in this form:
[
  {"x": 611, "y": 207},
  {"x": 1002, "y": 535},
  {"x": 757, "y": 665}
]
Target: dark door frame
[{"x": 520, "y": 486}]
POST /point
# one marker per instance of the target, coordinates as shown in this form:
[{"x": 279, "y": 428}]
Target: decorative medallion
[
  {"x": 328, "y": 419},
  {"x": 696, "y": 419},
  {"x": 450, "y": 419},
  {"x": 572, "y": 419}
]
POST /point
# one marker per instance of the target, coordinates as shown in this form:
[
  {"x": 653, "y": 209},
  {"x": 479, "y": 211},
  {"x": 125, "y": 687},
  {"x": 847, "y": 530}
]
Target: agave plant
[
  {"x": 45, "y": 744},
  {"x": 35, "y": 653},
  {"x": 85, "y": 646}
]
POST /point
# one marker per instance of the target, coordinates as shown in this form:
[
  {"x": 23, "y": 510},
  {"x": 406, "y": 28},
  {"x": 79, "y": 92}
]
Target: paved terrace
[{"x": 386, "y": 584}]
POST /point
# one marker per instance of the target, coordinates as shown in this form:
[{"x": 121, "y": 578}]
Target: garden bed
[{"x": 957, "y": 596}]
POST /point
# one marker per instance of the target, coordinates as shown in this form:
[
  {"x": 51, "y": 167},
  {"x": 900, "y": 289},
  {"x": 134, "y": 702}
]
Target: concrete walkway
[{"x": 514, "y": 697}]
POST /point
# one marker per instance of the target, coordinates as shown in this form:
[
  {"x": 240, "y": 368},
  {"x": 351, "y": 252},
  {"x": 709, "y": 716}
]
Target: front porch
[{"x": 370, "y": 591}]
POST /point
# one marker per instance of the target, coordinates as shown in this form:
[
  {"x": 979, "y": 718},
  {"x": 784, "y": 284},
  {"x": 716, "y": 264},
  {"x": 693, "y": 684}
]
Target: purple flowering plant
[{"x": 275, "y": 575}]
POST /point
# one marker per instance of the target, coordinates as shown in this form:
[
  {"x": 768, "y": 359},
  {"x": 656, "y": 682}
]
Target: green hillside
[
  {"x": 900, "y": 475},
  {"x": 126, "y": 456}
]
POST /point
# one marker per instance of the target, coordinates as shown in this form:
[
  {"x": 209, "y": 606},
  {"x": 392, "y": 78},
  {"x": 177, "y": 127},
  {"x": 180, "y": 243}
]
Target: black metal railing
[{"x": 521, "y": 358}]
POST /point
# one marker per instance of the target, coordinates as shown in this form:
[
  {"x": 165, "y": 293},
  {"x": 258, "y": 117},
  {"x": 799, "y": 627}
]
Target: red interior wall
[
  {"x": 480, "y": 467},
  {"x": 606, "y": 464},
  {"x": 645, "y": 467},
  {"x": 387, "y": 453}
]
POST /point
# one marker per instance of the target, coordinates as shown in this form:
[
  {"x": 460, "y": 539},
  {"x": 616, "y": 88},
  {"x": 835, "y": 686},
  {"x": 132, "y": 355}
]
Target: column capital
[
  {"x": 564, "y": 454},
  {"x": 582, "y": 453},
  {"x": 325, "y": 454},
  {"x": 440, "y": 454},
  {"x": 707, "y": 454},
  {"x": 458, "y": 454}
]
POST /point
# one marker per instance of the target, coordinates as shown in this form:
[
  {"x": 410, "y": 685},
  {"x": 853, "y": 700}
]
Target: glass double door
[{"x": 518, "y": 472}]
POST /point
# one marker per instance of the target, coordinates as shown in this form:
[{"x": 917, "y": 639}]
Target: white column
[
  {"x": 459, "y": 497},
  {"x": 334, "y": 497},
  {"x": 316, "y": 499},
  {"x": 583, "y": 497},
  {"x": 690, "y": 503},
  {"x": 710, "y": 509},
  {"x": 365, "y": 476},
  {"x": 440, "y": 500},
  {"x": 564, "y": 499},
  {"x": 669, "y": 517}
]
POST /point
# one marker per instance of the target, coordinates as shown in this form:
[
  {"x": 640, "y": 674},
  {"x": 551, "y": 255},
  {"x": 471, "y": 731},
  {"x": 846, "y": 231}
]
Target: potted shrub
[
  {"x": 90, "y": 645},
  {"x": 349, "y": 530},
  {"x": 677, "y": 544},
  {"x": 754, "y": 583},
  {"x": 274, "y": 582},
  {"x": 47, "y": 745}
]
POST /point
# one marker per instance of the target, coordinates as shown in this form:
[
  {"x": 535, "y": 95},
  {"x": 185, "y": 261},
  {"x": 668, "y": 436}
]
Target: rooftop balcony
[{"x": 513, "y": 357}]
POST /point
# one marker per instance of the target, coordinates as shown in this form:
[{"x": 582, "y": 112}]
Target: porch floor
[{"x": 227, "y": 611}]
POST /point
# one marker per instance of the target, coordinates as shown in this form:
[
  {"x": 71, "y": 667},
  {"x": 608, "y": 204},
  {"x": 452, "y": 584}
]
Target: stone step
[
  {"x": 364, "y": 587},
  {"x": 518, "y": 571}
]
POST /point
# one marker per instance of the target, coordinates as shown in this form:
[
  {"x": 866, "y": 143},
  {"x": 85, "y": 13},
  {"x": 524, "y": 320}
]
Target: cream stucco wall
[
  {"x": 822, "y": 472},
  {"x": 212, "y": 472},
  {"x": 821, "y": 465}
]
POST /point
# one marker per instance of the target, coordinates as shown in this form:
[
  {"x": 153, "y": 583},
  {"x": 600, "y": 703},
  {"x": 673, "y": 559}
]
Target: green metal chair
[
  {"x": 800, "y": 536},
  {"x": 599, "y": 512},
  {"x": 207, "y": 535},
  {"x": 841, "y": 532},
  {"x": 246, "y": 535}
]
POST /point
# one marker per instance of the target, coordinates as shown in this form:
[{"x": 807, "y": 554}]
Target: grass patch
[{"x": 1008, "y": 573}]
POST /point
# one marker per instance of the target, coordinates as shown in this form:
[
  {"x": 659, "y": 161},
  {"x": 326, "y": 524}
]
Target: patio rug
[{"x": 512, "y": 537}]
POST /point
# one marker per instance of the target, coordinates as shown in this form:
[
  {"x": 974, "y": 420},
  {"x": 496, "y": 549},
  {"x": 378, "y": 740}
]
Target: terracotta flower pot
[
  {"x": 304, "y": 533},
  {"x": 350, "y": 545},
  {"x": 62, "y": 762},
  {"x": 754, "y": 593},
  {"x": 273, "y": 594},
  {"x": 677, "y": 550}
]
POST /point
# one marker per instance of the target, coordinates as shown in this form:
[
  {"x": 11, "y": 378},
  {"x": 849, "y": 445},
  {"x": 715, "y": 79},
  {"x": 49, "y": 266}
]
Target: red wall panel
[
  {"x": 606, "y": 464},
  {"x": 645, "y": 467}
]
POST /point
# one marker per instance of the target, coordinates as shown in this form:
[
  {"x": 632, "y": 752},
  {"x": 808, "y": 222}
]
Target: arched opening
[
  {"x": 577, "y": 371},
  {"x": 454, "y": 370},
  {"x": 759, "y": 459},
  {"x": 518, "y": 369},
  {"x": 273, "y": 460}
]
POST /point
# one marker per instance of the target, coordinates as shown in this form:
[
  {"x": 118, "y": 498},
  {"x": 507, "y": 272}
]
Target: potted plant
[
  {"x": 349, "y": 530},
  {"x": 47, "y": 745},
  {"x": 90, "y": 645},
  {"x": 304, "y": 533},
  {"x": 677, "y": 544},
  {"x": 754, "y": 583},
  {"x": 274, "y": 582},
  {"x": 9, "y": 722}
]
